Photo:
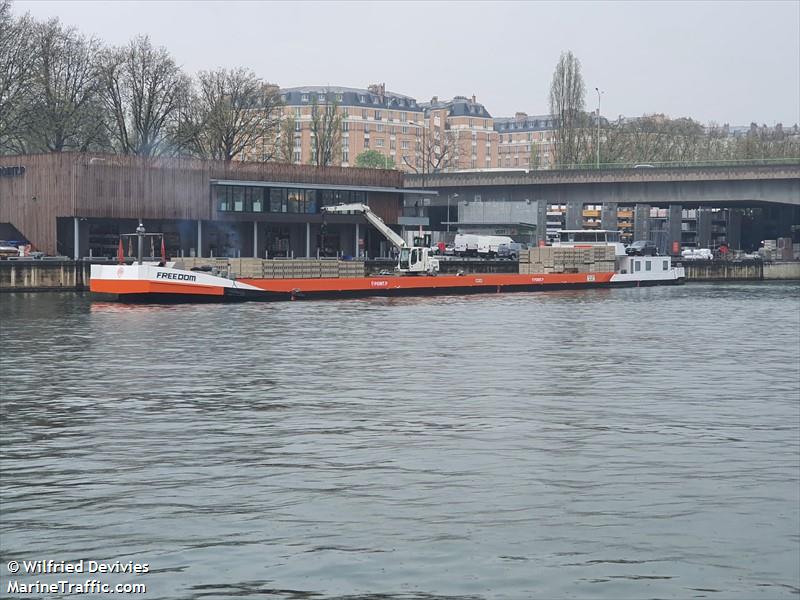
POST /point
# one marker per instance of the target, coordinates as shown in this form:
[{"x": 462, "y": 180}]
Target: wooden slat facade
[{"x": 116, "y": 187}]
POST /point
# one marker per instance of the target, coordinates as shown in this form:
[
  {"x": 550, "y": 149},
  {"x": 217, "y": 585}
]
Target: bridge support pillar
[
  {"x": 641, "y": 222},
  {"x": 675, "y": 220},
  {"x": 608, "y": 216},
  {"x": 574, "y": 218}
]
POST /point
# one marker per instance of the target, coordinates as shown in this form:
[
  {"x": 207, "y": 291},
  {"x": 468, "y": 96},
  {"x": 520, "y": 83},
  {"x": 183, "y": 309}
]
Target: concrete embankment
[
  {"x": 745, "y": 270},
  {"x": 43, "y": 275},
  {"x": 68, "y": 275}
]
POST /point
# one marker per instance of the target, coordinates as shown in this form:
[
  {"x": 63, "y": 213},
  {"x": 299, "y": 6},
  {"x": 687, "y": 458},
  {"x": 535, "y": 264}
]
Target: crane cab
[{"x": 417, "y": 260}]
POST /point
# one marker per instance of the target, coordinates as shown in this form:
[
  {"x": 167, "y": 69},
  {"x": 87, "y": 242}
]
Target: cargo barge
[{"x": 579, "y": 260}]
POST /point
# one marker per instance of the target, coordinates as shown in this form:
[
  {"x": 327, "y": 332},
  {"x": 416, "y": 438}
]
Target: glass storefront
[{"x": 238, "y": 198}]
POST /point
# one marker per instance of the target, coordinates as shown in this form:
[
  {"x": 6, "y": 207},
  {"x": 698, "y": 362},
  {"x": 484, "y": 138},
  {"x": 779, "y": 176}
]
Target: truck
[
  {"x": 412, "y": 260},
  {"x": 486, "y": 246}
]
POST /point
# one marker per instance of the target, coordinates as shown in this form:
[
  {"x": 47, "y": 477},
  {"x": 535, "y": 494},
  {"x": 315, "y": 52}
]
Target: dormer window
[{"x": 304, "y": 98}]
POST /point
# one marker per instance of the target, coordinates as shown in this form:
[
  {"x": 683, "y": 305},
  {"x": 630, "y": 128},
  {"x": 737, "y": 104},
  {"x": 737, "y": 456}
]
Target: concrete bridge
[
  {"x": 717, "y": 186},
  {"x": 775, "y": 188}
]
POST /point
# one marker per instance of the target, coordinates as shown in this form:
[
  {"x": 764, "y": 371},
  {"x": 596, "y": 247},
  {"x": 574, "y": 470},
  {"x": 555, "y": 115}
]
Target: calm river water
[{"x": 640, "y": 443}]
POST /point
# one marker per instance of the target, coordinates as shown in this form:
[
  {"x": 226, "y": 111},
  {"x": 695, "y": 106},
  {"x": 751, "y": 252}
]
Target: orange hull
[
  {"x": 143, "y": 286},
  {"x": 439, "y": 284}
]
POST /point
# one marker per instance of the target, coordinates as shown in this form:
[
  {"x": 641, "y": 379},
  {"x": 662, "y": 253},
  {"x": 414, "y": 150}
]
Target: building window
[
  {"x": 637, "y": 265},
  {"x": 379, "y": 127},
  {"x": 345, "y": 156},
  {"x": 295, "y": 200},
  {"x": 377, "y": 115},
  {"x": 297, "y": 158},
  {"x": 298, "y": 126},
  {"x": 345, "y": 125},
  {"x": 238, "y": 199},
  {"x": 366, "y": 143},
  {"x": 666, "y": 265},
  {"x": 404, "y": 144},
  {"x": 403, "y": 117},
  {"x": 223, "y": 198},
  {"x": 277, "y": 200},
  {"x": 345, "y": 142},
  {"x": 304, "y": 97},
  {"x": 404, "y": 129},
  {"x": 392, "y": 145},
  {"x": 364, "y": 114},
  {"x": 647, "y": 265},
  {"x": 379, "y": 142}
]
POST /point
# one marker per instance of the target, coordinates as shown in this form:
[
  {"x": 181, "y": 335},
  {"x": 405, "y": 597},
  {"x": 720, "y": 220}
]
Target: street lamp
[
  {"x": 448, "y": 210},
  {"x": 598, "y": 125}
]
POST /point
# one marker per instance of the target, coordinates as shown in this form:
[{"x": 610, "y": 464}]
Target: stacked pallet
[
  {"x": 259, "y": 268},
  {"x": 564, "y": 259},
  {"x": 248, "y": 268},
  {"x": 351, "y": 268},
  {"x": 189, "y": 263}
]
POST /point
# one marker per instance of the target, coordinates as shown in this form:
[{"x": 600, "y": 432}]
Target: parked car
[
  {"x": 642, "y": 248},
  {"x": 510, "y": 250}
]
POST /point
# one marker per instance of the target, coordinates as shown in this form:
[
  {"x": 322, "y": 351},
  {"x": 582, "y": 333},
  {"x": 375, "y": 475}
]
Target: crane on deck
[{"x": 414, "y": 260}]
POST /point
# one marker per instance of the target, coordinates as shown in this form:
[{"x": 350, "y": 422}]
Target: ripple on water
[{"x": 603, "y": 443}]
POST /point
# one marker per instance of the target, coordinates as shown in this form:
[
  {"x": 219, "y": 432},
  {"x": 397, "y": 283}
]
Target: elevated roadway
[{"x": 715, "y": 186}]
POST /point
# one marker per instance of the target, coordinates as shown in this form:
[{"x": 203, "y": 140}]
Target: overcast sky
[{"x": 729, "y": 62}]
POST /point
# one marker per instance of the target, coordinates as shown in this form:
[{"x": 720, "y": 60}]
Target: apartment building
[
  {"x": 372, "y": 119},
  {"x": 460, "y": 135},
  {"x": 525, "y": 142}
]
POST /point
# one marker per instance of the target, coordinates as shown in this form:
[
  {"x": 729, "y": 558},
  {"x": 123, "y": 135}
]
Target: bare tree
[
  {"x": 143, "y": 90},
  {"x": 63, "y": 110},
  {"x": 16, "y": 67},
  {"x": 438, "y": 150},
  {"x": 326, "y": 130},
  {"x": 567, "y": 94},
  {"x": 441, "y": 150},
  {"x": 286, "y": 139},
  {"x": 236, "y": 113}
]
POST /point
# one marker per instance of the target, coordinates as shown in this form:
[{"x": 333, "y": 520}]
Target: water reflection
[{"x": 602, "y": 443}]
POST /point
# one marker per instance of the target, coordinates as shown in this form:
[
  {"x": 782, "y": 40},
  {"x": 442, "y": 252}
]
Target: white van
[
  {"x": 489, "y": 244},
  {"x": 466, "y": 244}
]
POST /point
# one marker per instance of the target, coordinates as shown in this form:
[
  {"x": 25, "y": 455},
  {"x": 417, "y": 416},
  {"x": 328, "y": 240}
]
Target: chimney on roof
[
  {"x": 473, "y": 98},
  {"x": 520, "y": 116},
  {"x": 435, "y": 99},
  {"x": 379, "y": 89}
]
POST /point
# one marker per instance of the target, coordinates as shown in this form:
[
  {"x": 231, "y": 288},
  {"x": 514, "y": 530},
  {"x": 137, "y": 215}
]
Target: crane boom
[{"x": 370, "y": 216}]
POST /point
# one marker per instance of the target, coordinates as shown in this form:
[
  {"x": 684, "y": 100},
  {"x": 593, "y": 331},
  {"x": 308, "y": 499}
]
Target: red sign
[{"x": 676, "y": 248}]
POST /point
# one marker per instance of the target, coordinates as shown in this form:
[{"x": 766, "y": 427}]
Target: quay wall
[
  {"x": 43, "y": 275},
  {"x": 782, "y": 270},
  {"x": 723, "y": 270}
]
